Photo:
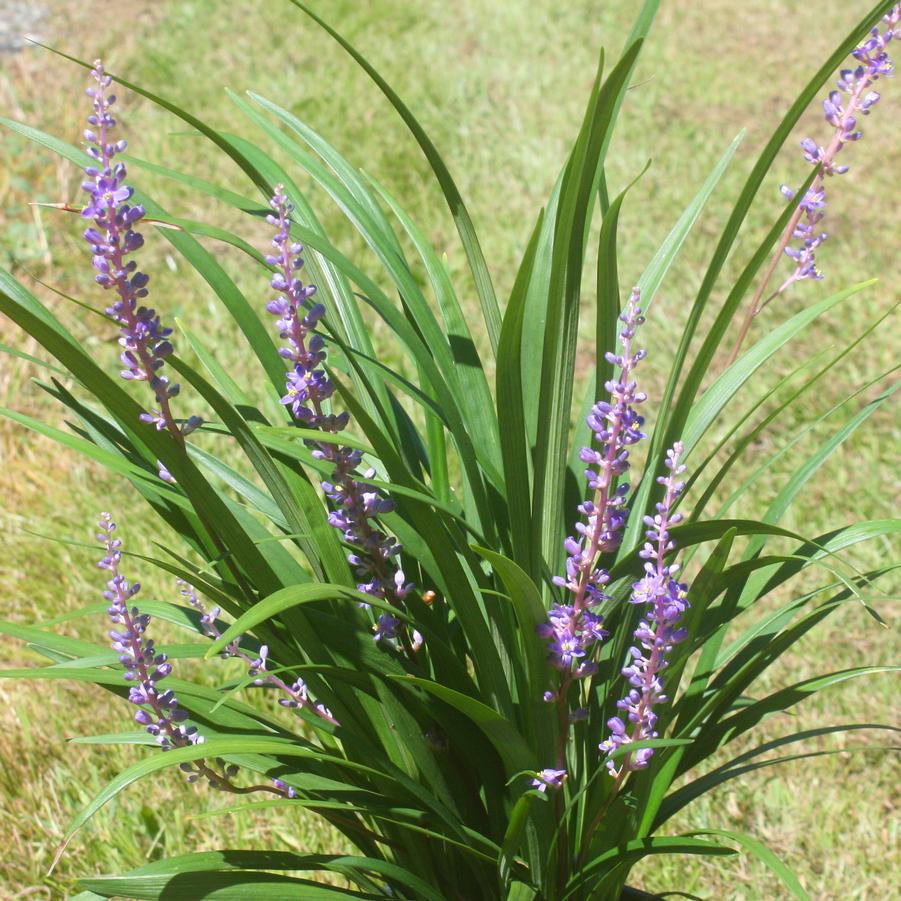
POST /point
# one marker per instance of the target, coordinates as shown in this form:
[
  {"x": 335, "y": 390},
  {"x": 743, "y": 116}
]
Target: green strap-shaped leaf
[
  {"x": 465, "y": 228},
  {"x": 175, "y": 877},
  {"x": 751, "y": 435},
  {"x": 455, "y": 563},
  {"x": 706, "y": 410},
  {"x": 235, "y": 885},
  {"x": 475, "y": 395},
  {"x": 561, "y": 324},
  {"x": 606, "y": 321},
  {"x": 719, "y": 734},
  {"x": 300, "y": 595},
  {"x": 259, "y": 337},
  {"x": 530, "y": 613},
  {"x": 635, "y": 850},
  {"x": 218, "y": 518},
  {"x": 293, "y": 596},
  {"x": 765, "y": 856},
  {"x": 741, "y": 765},
  {"x": 511, "y": 412},
  {"x": 343, "y": 314},
  {"x": 655, "y": 272},
  {"x": 218, "y": 746},
  {"x": 296, "y": 498}
]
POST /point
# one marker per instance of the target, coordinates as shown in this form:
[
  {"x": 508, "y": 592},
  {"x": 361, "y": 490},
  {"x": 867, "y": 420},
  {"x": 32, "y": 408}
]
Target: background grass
[{"x": 500, "y": 86}]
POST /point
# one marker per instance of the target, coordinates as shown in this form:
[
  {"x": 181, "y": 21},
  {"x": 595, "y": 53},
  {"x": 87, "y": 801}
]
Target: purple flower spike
[
  {"x": 657, "y": 634},
  {"x": 573, "y": 628},
  {"x": 355, "y": 505},
  {"x": 145, "y": 667},
  {"x": 842, "y": 109},
  {"x": 112, "y": 237},
  {"x": 545, "y": 779}
]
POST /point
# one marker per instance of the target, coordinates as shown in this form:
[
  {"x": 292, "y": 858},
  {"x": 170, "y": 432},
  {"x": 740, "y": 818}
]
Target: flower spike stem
[{"x": 295, "y": 695}]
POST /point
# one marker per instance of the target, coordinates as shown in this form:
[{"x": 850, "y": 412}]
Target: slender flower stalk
[
  {"x": 657, "y": 634},
  {"x": 355, "y": 505},
  {"x": 113, "y": 237},
  {"x": 296, "y": 695},
  {"x": 842, "y": 108},
  {"x": 145, "y": 668},
  {"x": 573, "y": 628}
]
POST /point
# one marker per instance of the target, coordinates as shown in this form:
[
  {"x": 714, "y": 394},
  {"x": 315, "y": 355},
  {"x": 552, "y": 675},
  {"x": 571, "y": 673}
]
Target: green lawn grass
[{"x": 500, "y": 87}]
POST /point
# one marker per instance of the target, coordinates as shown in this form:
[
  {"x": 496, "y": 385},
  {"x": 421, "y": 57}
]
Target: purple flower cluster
[
  {"x": 812, "y": 208},
  {"x": 657, "y": 633},
  {"x": 112, "y": 237},
  {"x": 573, "y": 628},
  {"x": 160, "y": 713},
  {"x": 296, "y": 695},
  {"x": 842, "y": 108},
  {"x": 354, "y": 504}
]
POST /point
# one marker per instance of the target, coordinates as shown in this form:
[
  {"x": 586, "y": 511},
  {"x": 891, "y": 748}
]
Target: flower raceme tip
[{"x": 854, "y": 98}]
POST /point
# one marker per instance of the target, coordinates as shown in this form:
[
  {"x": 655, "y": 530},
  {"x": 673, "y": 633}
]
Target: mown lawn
[{"x": 499, "y": 84}]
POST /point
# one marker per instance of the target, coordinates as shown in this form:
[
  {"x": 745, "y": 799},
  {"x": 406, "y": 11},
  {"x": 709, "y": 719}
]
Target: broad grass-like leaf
[
  {"x": 561, "y": 322},
  {"x": 465, "y": 227}
]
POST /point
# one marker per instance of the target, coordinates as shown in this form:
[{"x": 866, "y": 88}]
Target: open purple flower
[{"x": 548, "y": 778}]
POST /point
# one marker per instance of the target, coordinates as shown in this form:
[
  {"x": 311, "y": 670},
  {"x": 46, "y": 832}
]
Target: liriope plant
[{"x": 481, "y": 661}]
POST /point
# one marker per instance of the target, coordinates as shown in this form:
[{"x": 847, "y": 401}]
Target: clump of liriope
[
  {"x": 574, "y": 629},
  {"x": 421, "y": 766}
]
